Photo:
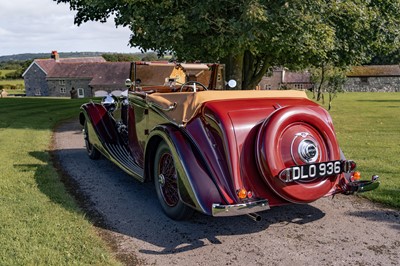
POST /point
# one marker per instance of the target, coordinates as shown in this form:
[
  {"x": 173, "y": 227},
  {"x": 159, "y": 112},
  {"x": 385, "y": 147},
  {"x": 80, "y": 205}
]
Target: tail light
[
  {"x": 349, "y": 166},
  {"x": 356, "y": 176},
  {"x": 243, "y": 194}
]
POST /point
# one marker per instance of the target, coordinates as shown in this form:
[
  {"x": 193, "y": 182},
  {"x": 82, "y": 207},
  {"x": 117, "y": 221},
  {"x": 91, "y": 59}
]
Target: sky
[{"x": 42, "y": 26}]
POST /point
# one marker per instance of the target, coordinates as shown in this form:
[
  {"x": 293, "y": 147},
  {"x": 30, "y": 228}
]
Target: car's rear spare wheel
[
  {"x": 166, "y": 183},
  {"x": 297, "y": 137}
]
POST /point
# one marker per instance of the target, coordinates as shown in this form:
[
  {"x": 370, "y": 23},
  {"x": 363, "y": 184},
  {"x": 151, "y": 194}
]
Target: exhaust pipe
[{"x": 254, "y": 216}]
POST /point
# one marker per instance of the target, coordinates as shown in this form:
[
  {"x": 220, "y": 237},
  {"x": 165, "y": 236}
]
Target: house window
[
  {"x": 61, "y": 82},
  {"x": 63, "y": 90},
  {"x": 298, "y": 86},
  {"x": 364, "y": 80},
  {"x": 81, "y": 93}
]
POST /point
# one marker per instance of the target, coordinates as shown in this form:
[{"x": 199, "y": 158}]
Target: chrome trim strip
[
  {"x": 155, "y": 105},
  {"x": 220, "y": 210}
]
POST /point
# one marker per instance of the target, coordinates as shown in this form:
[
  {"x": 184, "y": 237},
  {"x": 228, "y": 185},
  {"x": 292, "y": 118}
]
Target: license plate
[{"x": 311, "y": 171}]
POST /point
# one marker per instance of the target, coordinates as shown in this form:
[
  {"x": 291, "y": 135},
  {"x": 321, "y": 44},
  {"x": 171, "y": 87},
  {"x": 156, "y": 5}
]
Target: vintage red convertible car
[{"x": 221, "y": 152}]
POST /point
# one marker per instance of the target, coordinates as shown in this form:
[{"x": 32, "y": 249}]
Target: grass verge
[
  {"x": 40, "y": 222},
  {"x": 368, "y": 128}
]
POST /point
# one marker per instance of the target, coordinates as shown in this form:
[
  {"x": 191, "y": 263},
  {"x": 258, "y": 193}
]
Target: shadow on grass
[
  {"x": 47, "y": 182},
  {"x": 380, "y": 101},
  {"x": 39, "y": 113}
]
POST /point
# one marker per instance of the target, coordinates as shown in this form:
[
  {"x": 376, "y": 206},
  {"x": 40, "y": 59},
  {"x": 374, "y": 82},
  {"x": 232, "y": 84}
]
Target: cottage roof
[
  {"x": 374, "y": 71},
  {"x": 101, "y": 73},
  {"x": 46, "y": 65}
]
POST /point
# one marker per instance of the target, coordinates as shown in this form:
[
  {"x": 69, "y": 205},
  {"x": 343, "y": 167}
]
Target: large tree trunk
[
  {"x": 234, "y": 69},
  {"x": 254, "y": 68},
  {"x": 246, "y": 69}
]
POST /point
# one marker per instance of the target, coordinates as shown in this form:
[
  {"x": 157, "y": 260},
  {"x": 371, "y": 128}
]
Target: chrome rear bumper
[
  {"x": 240, "y": 209},
  {"x": 362, "y": 186}
]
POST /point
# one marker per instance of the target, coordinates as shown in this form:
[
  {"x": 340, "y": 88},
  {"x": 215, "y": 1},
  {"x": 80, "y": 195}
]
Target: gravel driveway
[{"x": 345, "y": 230}]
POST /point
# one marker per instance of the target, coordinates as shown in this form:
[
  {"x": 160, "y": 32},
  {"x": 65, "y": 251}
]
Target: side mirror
[
  {"x": 232, "y": 83},
  {"x": 128, "y": 83}
]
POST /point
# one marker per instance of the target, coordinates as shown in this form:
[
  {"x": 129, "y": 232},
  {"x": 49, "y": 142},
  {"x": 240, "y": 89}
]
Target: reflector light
[
  {"x": 242, "y": 193},
  {"x": 353, "y": 165},
  {"x": 356, "y": 176},
  {"x": 349, "y": 166},
  {"x": 249, "y": 194}
]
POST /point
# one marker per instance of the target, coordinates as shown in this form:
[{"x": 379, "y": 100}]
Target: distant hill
[{"x": 32, "y": 56}]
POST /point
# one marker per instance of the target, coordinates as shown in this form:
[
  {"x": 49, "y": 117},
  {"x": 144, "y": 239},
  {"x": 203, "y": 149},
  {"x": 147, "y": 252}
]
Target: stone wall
[
  {"x": 372, "y": 84},
  {"x": 35, "y": 82},
  {"x": 62, "y": 87}
]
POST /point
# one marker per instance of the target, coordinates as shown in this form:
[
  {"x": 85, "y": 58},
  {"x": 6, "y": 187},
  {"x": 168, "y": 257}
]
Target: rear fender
[{"x": 196, "y": 186}]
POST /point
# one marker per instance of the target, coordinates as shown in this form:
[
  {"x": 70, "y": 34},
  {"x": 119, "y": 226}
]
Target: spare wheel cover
[{"x": 277, "y": 148}]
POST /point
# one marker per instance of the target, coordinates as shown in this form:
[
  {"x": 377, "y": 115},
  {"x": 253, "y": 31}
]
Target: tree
[
  {"x": 251, "y": 36},
  {"x": 113, "y": 57},
  {"x": 330, "y": 79},
  {"x": 150, "y": 57}
]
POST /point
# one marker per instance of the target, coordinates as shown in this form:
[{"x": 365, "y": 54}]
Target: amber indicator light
[{"x": 357, "y": 176}]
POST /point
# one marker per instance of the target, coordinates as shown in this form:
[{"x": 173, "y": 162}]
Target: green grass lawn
[
  {"x": 368, "y": 128},
  {"x": 4, "y": 72},
  {"x": 12, "y": 82},
  {"x": 8, "y": 83},
  {"x": 40, "y": 222}
]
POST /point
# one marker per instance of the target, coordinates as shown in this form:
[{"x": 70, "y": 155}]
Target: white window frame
[
  {"x": 81, "y": 93},
  {"x": 63, "y": 90}
]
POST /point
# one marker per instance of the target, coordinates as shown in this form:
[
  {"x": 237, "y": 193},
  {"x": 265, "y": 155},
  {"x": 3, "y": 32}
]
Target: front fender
[{"x": 196, "y": 186}]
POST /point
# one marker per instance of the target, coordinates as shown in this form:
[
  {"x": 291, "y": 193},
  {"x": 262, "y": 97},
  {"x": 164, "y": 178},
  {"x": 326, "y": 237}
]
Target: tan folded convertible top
[{"x": 187, "y": 103}]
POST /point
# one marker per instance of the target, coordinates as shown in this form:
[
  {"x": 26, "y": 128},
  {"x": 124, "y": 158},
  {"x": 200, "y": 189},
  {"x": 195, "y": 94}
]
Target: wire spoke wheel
[{"x": 166, "y": 180}]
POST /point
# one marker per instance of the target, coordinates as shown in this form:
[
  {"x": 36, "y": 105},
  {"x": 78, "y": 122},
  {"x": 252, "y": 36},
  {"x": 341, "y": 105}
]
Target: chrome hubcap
[
  {"x": 308, "y": 151},
  {"x": 161, "y": 180}
]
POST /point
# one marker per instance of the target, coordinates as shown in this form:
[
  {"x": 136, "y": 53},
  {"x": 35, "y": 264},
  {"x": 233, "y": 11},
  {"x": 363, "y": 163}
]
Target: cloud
[{"x": 28, "y": 26}]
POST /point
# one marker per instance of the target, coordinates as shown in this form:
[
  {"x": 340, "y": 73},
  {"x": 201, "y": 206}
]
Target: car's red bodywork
[{"x": 223, "y": 152}]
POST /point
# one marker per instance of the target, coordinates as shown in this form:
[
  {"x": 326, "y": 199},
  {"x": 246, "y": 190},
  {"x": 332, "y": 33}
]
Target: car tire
[
  {"x": 92, "y": 152},
  {"x": 166, "y": 184}
]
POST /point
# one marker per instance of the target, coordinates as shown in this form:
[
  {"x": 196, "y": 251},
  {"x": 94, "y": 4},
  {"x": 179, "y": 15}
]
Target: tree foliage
[
  {"x": 251, "y": 36},
  {"x": 113, "y": 57},
  {"x": 327, "y": 79},
  {"x": 18, "y": 68}
]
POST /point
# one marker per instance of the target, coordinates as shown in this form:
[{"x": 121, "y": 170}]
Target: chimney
[{"x": 55, "y": 56}]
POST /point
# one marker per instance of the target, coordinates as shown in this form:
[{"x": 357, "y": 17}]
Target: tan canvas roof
[{"x": 187, "y": 103}]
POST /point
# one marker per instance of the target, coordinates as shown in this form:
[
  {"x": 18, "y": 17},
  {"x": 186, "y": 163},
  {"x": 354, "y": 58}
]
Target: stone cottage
[
  {"x": 87, "y": 78},
  {"x": 35, "y": 76},
  {"x": 374, "y": 78},
  {"x": 93, "y": 76},
  {"x": 282, "y": 78}
]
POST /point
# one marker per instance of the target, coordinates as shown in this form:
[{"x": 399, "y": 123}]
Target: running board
[{"x": 122, "y": 157}]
